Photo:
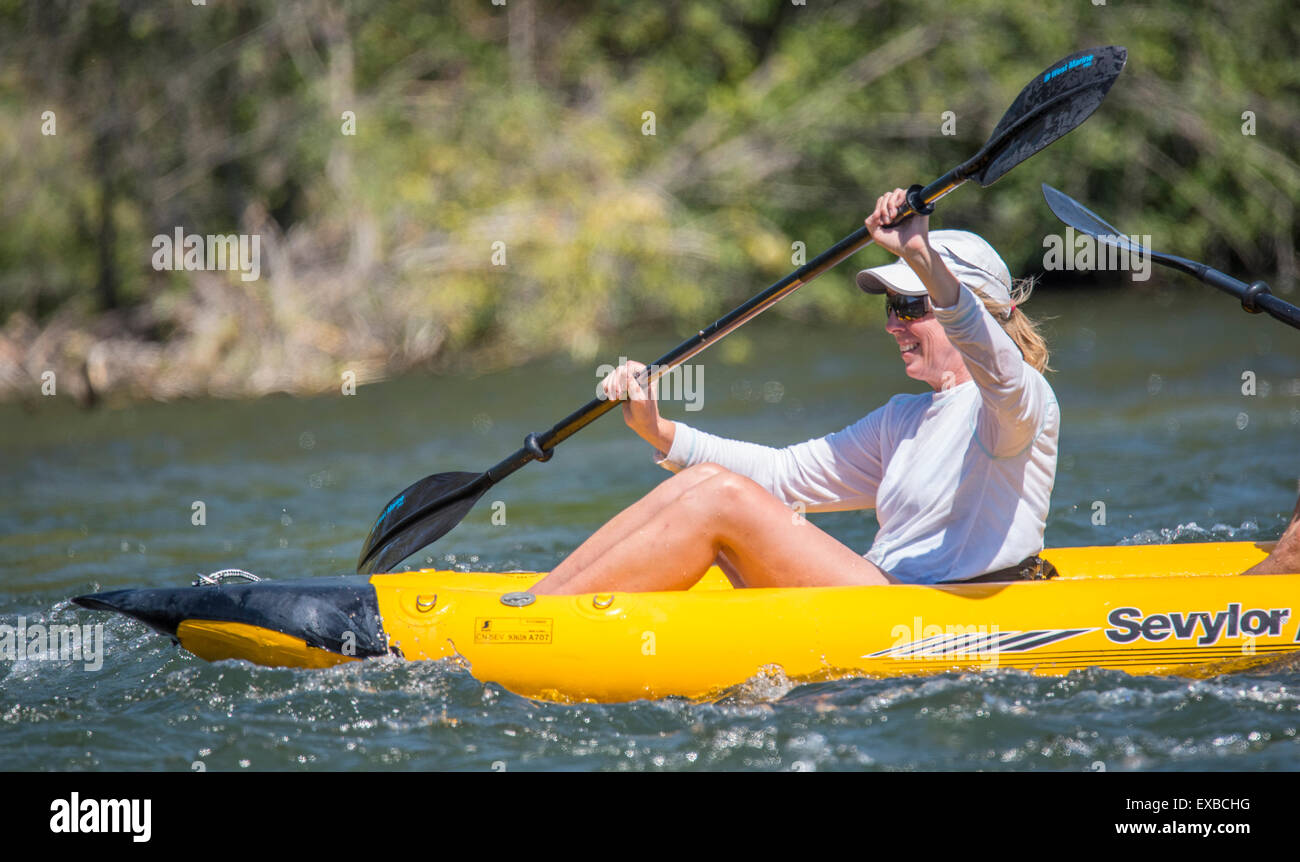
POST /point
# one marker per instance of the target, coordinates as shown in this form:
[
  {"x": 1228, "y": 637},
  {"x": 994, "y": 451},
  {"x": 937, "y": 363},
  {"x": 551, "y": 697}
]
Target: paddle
[
  {"x": 1056, "y": 101},
  {"x": 1254, "y": 297}
]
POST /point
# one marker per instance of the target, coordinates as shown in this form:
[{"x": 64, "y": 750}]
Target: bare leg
[
  {"x": 1284, "y": 559},
  {"x": 765, "y": 544},
  {"x": 634, "y": 516}
]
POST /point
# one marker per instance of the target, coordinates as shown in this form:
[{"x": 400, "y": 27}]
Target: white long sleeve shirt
[{"x": 960, "y": 479}]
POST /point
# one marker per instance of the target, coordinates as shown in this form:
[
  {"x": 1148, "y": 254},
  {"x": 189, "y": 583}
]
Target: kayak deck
[{"x": 1144, "y": 609}]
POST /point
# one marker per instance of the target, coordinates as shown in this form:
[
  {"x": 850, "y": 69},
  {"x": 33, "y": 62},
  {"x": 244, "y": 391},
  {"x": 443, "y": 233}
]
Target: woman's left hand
[{"x": 905, "y": 240}]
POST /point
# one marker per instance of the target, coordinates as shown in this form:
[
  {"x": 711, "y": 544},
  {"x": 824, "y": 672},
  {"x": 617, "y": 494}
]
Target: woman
[{"x": 960, "y": 477}]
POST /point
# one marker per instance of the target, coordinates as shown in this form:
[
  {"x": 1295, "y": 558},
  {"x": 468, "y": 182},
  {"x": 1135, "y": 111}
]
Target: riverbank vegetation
[{"x": 458, "y": 185}]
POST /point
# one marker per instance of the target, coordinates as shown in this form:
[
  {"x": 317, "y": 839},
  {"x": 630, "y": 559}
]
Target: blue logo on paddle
[
  {"x": 391, "y": 506},
  {"x": 1079, "y": 62}
]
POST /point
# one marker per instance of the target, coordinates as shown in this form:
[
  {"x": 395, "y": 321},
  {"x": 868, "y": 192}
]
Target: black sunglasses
[{"x": 906, "y": 307}]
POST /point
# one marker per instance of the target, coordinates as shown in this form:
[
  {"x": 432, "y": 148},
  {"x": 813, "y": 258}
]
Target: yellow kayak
[{"x": 1155, "y": 609}]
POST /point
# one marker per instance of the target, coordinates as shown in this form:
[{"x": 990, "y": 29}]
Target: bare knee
[
  {"x": 706, "y": 470},
  {"x": 736, "y": 487},
  {"x": 725, "y": 494},
  {"x": 691, "y": 476}
]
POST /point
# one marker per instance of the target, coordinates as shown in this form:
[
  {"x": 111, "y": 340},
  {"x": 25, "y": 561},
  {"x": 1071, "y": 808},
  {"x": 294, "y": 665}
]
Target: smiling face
[{"x": 927, "y": 353}]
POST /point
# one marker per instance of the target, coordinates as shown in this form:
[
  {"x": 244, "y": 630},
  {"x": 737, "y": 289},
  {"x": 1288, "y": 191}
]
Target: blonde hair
[{"x": 1022, "y": 328}]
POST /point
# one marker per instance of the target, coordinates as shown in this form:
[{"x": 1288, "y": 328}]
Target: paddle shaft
[
  {"x": 1255, "y": 298},
  {"x": 539, "y": 445}
]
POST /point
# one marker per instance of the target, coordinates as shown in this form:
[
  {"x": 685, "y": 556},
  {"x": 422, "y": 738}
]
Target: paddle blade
[
  {"x": 1056, "y": 101},
  {"x": 1079, "y": 217},
  {"x": 441, "y": 500}
]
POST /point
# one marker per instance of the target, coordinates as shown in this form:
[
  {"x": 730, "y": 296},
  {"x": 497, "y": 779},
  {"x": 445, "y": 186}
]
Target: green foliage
[{"x": 523, "y": 124}]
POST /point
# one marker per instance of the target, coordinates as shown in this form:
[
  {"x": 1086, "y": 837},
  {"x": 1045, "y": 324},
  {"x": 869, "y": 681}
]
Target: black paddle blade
[
  {"x": 1079, "y": 217},
  {"x": 1057, "y": 100},
  {"x": 436, "y": 503}
]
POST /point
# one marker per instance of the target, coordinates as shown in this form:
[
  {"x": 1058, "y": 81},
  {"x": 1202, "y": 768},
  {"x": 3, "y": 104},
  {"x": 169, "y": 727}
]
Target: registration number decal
[{"x": 513, "y": 630}]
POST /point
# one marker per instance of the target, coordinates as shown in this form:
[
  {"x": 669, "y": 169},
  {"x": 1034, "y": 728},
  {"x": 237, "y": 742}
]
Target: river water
[{"x": 1155, "y": 426}]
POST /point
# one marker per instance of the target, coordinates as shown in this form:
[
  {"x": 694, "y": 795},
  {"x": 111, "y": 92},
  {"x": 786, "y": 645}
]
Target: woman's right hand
[
  {"x": 640, "y": 409},
  {"x": 906, "y": 240}
]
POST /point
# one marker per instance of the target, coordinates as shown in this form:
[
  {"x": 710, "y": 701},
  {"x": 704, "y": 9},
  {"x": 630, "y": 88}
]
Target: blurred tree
[{"x": 525, "y": 127}]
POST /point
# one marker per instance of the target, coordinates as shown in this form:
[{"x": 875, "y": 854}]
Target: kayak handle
[{"x": 216, "y": 579}]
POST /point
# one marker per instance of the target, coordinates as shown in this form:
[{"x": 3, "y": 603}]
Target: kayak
[{"x": 1156, "y": 609}]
